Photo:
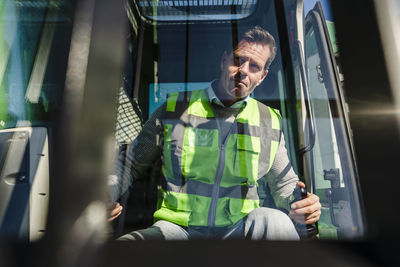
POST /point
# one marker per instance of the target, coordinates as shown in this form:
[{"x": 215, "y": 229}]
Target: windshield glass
[
  {"x": 198, "y": 90},
  {"x": 182, "y": 60}
]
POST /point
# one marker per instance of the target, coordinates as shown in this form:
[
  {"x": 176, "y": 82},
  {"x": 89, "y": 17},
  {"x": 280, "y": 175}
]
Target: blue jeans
[{"x": 260, "y": 224}]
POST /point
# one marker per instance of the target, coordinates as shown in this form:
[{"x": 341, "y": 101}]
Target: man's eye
[{"x": 255, "y": 67}]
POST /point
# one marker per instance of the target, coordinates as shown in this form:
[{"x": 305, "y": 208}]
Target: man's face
[{"x": 243, "y": 70}]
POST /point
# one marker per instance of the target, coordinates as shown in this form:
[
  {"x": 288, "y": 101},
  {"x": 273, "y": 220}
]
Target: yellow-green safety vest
[{"x": 213, "y": 182}]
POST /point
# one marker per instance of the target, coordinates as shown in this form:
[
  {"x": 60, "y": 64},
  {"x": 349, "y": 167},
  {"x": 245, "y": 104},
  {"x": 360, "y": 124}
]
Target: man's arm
[
  {"x": 140, "y": 156},
  {"x": 282, "y": 181},
  {"x": 281, "y": 178}
]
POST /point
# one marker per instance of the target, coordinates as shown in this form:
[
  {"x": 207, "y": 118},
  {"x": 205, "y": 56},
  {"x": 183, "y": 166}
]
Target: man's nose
[{"x": 244, "y": 68}]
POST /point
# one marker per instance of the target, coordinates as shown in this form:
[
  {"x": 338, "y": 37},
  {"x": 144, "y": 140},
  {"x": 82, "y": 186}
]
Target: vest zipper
[
  {"x": 215, "y": 192},
  {"x": 220, "y": 169}
]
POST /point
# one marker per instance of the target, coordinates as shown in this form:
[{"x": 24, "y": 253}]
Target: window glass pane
[
  {"x": 326, "y": 155},
  {"x": 187, "y": 159},
  {"x": 331, "y": 163},
  {"x": 190, "y": 57},
  {"x": 322, "y": 131}
]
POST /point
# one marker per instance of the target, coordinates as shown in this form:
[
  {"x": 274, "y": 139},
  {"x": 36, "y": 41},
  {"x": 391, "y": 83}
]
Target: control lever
[
  {"x": 299, "y": 193},
  {"x": 310, "y": 230}
]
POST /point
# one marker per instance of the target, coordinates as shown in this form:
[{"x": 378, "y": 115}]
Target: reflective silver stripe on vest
[
  {"x": 239, "y": 191},
  {"x": 198, "y": 188},
  {"x": 239, "y": 128},
  {"x": 202, "y": 123},
  {"x": 276, "y": 135},
  {"x": 265, "y": 138},
  {"x": 244, "y": 128},
  {"x": 178, "y": 119}
]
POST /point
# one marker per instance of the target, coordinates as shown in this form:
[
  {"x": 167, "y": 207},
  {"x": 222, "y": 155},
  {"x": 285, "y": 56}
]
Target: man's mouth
[{"x": 239, "y": 82}]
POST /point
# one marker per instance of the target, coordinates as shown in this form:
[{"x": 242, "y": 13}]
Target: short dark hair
[{"x": 261, "y": 36}]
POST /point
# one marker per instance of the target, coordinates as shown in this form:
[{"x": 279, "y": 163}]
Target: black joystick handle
[
  {"x": 299, "y": 193},
  {"x": 310, "y": 230}
]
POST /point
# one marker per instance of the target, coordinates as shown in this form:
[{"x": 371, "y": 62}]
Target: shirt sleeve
[
  {"x": 140, "y": 155},
  {"x": 281, "y": 178}
]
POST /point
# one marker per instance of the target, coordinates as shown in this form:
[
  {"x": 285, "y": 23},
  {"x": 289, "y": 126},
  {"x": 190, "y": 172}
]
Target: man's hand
[
  {"x": 307, "y": 210},
  {"x": 114, "y": 210}
]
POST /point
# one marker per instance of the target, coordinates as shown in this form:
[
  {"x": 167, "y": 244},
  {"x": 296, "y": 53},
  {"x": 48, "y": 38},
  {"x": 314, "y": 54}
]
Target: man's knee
[
  {"x": 132, "y": 236},
  {"x": 269, "y": 215},
  {"x": 161, "y": 230},
  {"x": 267, "y": 223}
]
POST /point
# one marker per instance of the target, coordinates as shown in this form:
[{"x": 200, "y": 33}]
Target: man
[{"x": 217, "y": 143}]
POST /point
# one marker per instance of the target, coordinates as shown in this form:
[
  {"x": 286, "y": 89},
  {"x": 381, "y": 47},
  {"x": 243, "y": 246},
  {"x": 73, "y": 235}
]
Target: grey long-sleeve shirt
[{"x": 147, "y": 148}]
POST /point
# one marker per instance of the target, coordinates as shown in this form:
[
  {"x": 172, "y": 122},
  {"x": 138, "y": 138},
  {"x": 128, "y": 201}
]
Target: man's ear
[
  {"x": 224, "y": 58},
  {"x": 262, "y": 77}
]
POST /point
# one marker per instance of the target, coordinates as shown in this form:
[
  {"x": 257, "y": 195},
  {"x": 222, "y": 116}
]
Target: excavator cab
[{"x": 178, "y": 45}]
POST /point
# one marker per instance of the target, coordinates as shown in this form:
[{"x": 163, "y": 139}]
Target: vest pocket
[
  {"x": 183, "y": 209},
  {"x": 247, "y": 156},
  {"x": 200, "y": 154},
  {"x": 239, "y": 208},
  {"x": 229, "y": 211}
]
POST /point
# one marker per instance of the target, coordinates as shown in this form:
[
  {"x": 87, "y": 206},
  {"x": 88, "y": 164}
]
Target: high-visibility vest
[{"x": 213, "y": 182}]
